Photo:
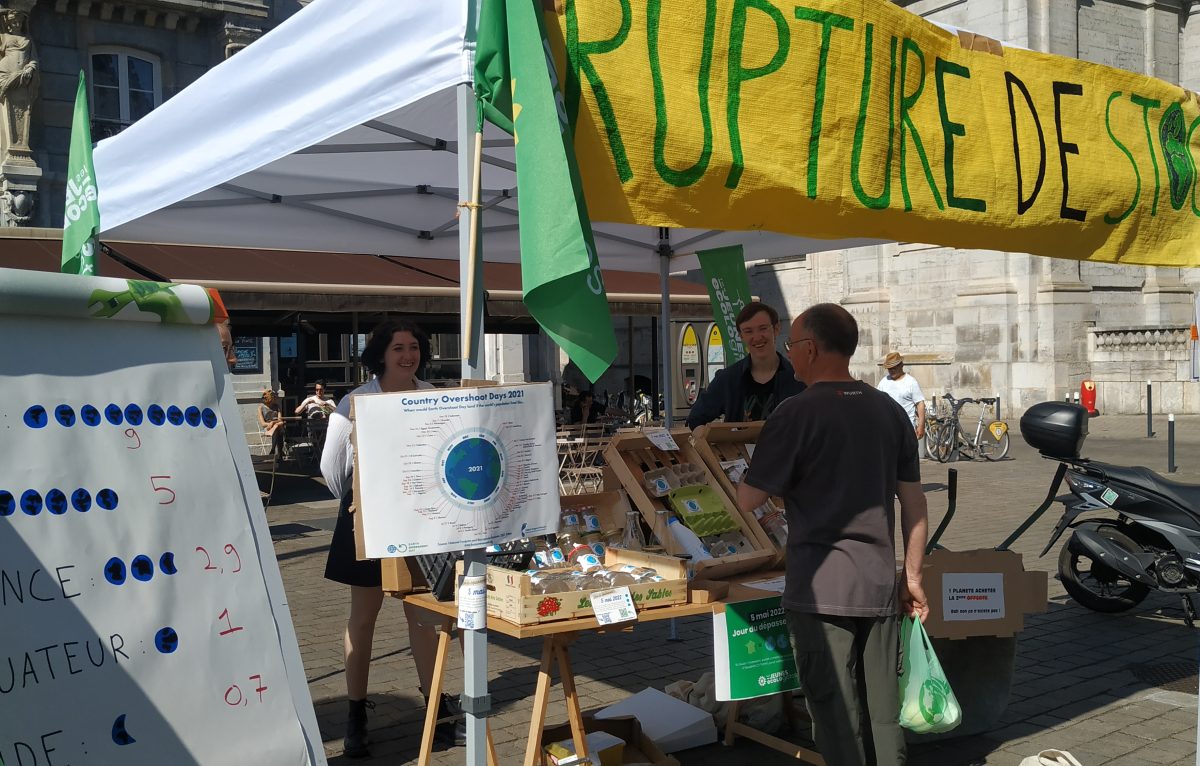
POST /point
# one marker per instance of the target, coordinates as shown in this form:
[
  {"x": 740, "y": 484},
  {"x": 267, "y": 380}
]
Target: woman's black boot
[{"x": 355, "y": 744}]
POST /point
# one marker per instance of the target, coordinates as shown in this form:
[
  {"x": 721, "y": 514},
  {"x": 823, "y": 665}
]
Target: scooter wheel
[{"x": 1094, "y": 585}]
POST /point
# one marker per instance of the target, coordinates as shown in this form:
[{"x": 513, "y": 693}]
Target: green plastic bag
[{"x": 927, "y": 703}]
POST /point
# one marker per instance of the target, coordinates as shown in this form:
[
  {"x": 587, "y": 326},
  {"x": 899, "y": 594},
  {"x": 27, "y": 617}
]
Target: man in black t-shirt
[{"x": 839, "y": 454}]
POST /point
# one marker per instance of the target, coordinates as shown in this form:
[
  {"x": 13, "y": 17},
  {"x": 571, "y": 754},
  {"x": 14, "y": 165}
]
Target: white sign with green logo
[{"x": 752, "y": 654}]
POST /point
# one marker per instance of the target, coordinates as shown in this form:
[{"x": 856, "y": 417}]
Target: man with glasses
[
  {"x": 751, "y": 388},
  {"x": 839, "y": 456}
]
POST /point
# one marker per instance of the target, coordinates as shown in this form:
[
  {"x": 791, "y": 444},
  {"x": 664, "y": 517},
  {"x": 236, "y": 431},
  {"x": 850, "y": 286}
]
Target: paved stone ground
[{"x": 1099, "y": 685}]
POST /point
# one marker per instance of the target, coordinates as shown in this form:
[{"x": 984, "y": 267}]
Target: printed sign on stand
[
  {"x": 447, "y": 469},
  {"x": 973, "y": 596},
  {"x": 752, "y": 652}
]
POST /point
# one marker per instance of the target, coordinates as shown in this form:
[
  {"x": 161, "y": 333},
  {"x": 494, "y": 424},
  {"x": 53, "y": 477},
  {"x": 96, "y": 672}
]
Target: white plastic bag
[
  {"x": 927, "y": 703},
  {"x": 1051, "y": 758}
]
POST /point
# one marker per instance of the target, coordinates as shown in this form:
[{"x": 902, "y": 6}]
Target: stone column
[
  {"x": 1167, "y": 300},
  {"x": 1065, "y": 312},
  {"x": 19, "y": 173}
]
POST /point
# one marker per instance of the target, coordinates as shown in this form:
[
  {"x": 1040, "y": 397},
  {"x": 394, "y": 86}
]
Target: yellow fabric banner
[{"x": 860, "y": 119}]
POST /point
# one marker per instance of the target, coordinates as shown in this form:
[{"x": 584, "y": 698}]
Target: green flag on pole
[
  {"x": 729, "y": 290},
  {"x": 81, "y": 227},
  {"x": 515, "y": 80}
]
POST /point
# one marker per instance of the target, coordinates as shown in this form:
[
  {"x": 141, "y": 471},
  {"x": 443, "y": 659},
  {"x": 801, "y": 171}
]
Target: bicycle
[
  {"x": 989, "y": 441},
  {"x": 937, "y": 430}
]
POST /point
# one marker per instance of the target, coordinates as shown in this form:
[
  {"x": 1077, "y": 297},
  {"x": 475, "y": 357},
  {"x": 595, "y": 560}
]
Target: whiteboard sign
[
  {"x": 973, "y": 596},
  {"x": 450, "y": 469},
  {"x": 138, "y": 622}
]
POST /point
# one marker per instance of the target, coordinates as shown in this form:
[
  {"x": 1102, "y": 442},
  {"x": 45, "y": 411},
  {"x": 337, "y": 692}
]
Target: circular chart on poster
[{"x": 471, "y": 468}]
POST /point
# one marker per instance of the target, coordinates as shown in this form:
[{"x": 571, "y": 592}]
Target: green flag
[
  {"x": 729, "y": 290},
  {"x": 560, "y": 273},
  {"x": 81, "y": 226}
]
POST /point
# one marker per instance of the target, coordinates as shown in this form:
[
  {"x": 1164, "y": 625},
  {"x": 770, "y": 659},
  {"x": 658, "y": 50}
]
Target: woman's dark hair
[
  {"x": 833, "y": 327},
  {"x": 381, "y": 338}
]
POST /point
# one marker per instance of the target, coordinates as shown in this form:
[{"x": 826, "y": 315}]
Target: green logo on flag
[
  {"x": 81, "y": 227},
  {"x": 729, "y": 290}
]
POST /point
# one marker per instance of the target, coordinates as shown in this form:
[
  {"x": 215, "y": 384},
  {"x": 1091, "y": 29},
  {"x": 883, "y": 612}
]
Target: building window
[{"x": 126, "y": 86}]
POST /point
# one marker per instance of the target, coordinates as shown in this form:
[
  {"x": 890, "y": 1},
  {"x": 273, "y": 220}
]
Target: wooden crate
[
  {"x": 721, "y": 442},
  {"x": 511, "y": 597},
  {"x": 632, "y": 454}
]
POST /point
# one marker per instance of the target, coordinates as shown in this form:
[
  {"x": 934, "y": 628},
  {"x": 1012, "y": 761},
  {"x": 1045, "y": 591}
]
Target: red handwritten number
[
  {"x": 228, "y": 621},
  {"x": 238, "y": 700},
  {"x": 261, "y": 686},
  {"x": 132, "y": 434},
  {"x": 230, "y": 550},
  {"x": 208, "y": 558},
  {"x": 157, "y": 488}
]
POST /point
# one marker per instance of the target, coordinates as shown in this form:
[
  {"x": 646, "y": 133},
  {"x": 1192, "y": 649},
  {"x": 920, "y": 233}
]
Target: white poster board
[
  {"x": 134, "y": 553},
  {"x": 445, "y": 470},
  {"x": 973, "y": 596}
]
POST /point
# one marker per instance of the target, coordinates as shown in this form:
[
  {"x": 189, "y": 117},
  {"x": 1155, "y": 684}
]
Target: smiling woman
[{"x": 395, "y": 354}]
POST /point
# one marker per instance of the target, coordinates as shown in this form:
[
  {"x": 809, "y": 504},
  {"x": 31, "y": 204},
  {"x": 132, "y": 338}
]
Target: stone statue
[{"x": 18, "y": 86}]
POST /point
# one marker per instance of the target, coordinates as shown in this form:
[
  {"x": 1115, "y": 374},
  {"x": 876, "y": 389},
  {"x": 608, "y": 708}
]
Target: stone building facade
[{"x": 1028, "y": 328}]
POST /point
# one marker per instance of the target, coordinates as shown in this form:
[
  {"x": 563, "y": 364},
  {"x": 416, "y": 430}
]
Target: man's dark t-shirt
[
  {"x": 834, "y": 453},
  {"x": 759, "y": 400}
]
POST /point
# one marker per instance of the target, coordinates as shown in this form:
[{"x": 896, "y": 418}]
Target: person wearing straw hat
[{"x": 905, "y": 390}]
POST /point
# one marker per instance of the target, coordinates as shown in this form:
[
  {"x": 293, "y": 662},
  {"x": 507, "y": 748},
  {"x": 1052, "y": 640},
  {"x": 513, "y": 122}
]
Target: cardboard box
[
  {"x": 511, "y": 597},
  {"x": 632, "y": 455},
  {"x": 638, "y": 747},
  {"x": 980, "y": 593}
]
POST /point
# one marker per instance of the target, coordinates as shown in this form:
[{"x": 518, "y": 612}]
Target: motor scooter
[{"x": 1148, "y": 538}]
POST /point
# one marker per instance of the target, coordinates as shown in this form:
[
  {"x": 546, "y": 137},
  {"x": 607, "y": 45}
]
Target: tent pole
[
  {"x": 475, "y": 699},
  {"x": 664, "y": 326}
]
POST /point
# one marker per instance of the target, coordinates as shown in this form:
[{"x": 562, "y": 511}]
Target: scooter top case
[{"x": 1055, "y": 429}]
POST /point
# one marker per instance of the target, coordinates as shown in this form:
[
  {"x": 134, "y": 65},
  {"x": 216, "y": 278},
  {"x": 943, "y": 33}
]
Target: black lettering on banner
[
  {"x": 1065, "y": 89},
  {"x": 1024, "y": 204}
]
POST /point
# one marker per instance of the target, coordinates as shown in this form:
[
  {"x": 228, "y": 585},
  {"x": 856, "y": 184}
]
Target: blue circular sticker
[
  {"x": 113, "y": 414},
  {"x": 106, "y": 499},
  {"x": 133, "y": 414},
  {"x": 89, "y": 415},
  {"x": 166, "y": 640},
  {"x": 56, "y": 502},
  {"x": 174, "y": 415},
  {"x": 142, "y": 568},
  {"x": 35, "y": 416},
  {"x": 81, "y": 500},
  {"x": 209, "y": 417},
  {"x": 192, "y": 416},
  {"x": 114, "y": 571},
  {"x": 64, "y": 415},
  {"x": 155, "y": 414},
  {"x": 31, "y": 502},
  {"x": 166, "y": 563},
  {"x": 8, "y": 504}
]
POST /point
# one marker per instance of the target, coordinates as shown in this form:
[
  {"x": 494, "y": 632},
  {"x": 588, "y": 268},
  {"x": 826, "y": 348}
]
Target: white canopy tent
[{"x": 338, "y": 131}]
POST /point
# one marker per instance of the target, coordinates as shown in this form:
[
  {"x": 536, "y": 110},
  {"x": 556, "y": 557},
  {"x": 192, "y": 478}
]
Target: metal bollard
[
  {"x": 1149, "y": 410},
  {"x": 1171, "y": 467}
]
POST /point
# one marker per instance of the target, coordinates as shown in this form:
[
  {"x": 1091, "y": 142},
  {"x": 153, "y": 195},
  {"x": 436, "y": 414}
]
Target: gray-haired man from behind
[{"x": 839, "y": 454}]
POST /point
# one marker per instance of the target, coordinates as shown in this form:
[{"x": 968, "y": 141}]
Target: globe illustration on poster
[{"x": 471, "y": 468}]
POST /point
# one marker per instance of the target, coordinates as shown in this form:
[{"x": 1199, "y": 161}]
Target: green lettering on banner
[
  {"x": 1137, "y": 190},
  {"x": 906, "y": 125},
  {"x": 950, "y": 129},
  {"x": 885, "y": 197},
  {"x": 1180, "y": 171},
  {"x": 828, "y": 22},
  {"x": 739, "y": 75},
  {"x": 1147, "y": 104},
  {"x": 579, "y": 60},
  {"x": 1196, "y": 184},
  {"x": 693, "y": 174}
]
